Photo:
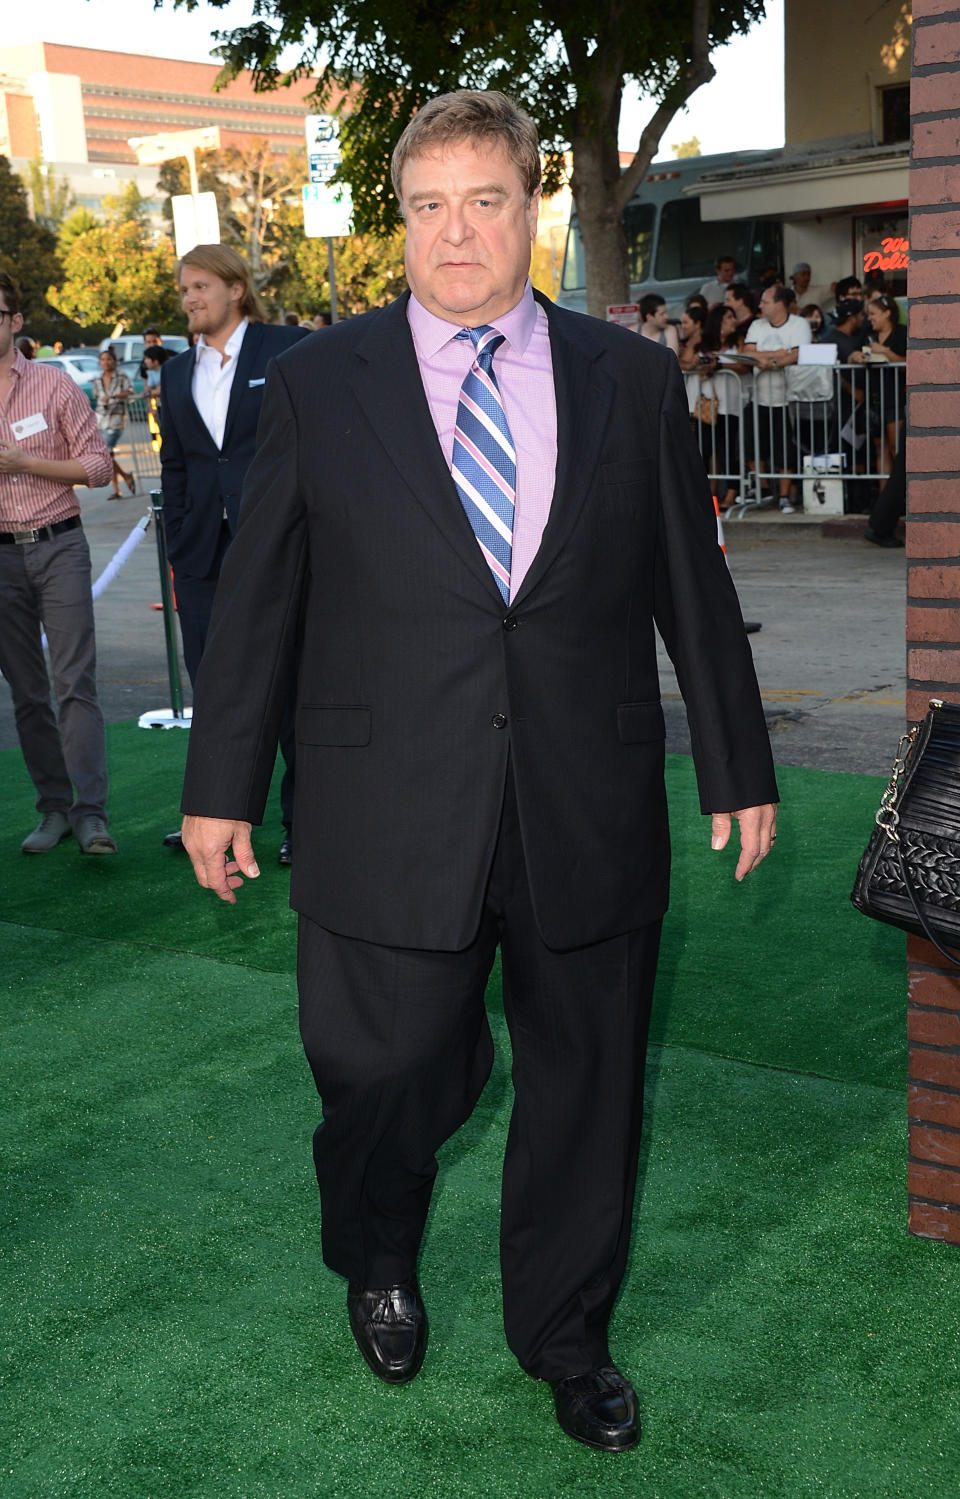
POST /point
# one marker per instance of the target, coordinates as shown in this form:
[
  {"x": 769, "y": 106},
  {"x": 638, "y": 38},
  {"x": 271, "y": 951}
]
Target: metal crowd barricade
[
  {"x": 836, "y": 436},
  {"x": 141, "y": 439}
]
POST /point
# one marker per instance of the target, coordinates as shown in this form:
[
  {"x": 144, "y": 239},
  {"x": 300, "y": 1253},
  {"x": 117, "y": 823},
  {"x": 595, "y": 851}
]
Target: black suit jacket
[
  {"x": 416, "y": 681},
  {"x": 200, "y": 481}
]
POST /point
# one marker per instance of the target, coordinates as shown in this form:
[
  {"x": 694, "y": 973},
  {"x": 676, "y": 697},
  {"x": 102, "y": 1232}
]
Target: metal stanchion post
[{"x": 176, "y": 716}]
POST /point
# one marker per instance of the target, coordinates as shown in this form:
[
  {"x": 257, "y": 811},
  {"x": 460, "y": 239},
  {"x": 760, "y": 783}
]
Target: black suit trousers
[{"x": 400, "y": 1048}]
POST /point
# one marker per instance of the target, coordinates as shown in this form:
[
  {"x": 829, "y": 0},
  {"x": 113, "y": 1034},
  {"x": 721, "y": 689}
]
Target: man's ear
[{"x": 533, "y": 211}]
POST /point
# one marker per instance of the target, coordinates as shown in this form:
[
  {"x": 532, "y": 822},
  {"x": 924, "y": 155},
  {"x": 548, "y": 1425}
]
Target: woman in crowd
[
  {"x": 112, "y": 389},
  {"x": 692, "y": 324},
  {"x": 888, "y": 347},
  {"x": 720, "y": 399},
  {"x": 814, "y": 316}
]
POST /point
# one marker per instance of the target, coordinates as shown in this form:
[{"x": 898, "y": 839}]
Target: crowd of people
[{"x": 760, "y": 405}]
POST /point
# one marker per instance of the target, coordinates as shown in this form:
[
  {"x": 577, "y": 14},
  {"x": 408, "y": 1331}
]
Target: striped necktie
[{"x": 484, "y": 463}]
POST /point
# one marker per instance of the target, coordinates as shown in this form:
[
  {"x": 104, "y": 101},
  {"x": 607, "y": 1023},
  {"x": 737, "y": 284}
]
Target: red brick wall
[{"x": 933, "y": 579}]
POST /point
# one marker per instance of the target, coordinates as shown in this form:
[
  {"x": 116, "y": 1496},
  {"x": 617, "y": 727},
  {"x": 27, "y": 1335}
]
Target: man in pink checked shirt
[
  {"x": 49, "y": 442},
  {"x": 466, "y": 513}
]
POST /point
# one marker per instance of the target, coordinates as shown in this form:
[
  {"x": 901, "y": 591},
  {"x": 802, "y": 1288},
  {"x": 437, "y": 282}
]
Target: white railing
[{"x": 845, "y": 421}]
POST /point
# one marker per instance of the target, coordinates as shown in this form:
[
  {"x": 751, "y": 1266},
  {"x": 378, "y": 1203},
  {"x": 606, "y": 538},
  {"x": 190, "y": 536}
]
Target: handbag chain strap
[{"x": 888, "y": 818}]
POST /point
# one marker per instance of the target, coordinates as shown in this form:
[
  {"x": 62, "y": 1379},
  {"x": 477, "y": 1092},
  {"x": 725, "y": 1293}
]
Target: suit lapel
[
  {"x": 249, "y": 349},
  {"x": 389, "y": 388},
  {"x": 584, "y": 395},
  {"x": 184, "y": 408}
]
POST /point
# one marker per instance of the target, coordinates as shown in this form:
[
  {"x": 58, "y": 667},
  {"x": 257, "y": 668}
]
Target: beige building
[{"x": 840, "y": 185}]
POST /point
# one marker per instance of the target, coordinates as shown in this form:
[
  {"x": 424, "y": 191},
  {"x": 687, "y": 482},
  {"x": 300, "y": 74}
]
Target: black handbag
[{"x": 909, "y": 875}]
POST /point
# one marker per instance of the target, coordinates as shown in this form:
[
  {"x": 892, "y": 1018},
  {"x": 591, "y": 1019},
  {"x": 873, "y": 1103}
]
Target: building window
[{"x": 895, "y": 114}]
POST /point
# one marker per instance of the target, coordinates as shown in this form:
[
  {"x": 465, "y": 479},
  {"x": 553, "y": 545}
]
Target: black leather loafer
[
  {"x": 599, "y": 1408},
  {"x": 390, "y": 1327},
  {"x": 285, "y": 856}
]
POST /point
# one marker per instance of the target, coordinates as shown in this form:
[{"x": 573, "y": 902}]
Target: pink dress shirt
[
  {"x": 70, "y": 431},
  {"x": 524, "y": 372}
]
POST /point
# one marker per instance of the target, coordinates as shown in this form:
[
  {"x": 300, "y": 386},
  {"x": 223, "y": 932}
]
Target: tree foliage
[
  {"x": 128, "y": 206},
  {"x": 261, "y": 216},
  {"x": 566, "y": 61},
  {"x": 368, "y": 271},
  {"x": 113, "y": 273},
  {"x": 28, "y": 253},
  {"x": 75, "y": 224},
  {"x": 51, "y": 198}
]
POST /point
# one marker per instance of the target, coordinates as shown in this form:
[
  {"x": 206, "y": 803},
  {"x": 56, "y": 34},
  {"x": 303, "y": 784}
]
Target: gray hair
[{"x": 471, "y": 115}]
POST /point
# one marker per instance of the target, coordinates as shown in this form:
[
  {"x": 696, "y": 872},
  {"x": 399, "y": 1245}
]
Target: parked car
[
  {"x": 130, "y": 346},
  {"x": 131, "y": 367},
  {"x": 82, "y": 367}
]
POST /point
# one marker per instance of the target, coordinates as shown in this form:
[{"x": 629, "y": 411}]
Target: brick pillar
[{"x": 933, "y": 579}]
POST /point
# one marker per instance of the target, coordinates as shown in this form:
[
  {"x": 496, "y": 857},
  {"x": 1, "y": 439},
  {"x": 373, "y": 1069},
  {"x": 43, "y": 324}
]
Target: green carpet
[{"x": 170, "y": 1330}]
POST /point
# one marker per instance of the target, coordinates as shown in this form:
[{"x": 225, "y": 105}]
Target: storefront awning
[{"x": 787, "y": 187}]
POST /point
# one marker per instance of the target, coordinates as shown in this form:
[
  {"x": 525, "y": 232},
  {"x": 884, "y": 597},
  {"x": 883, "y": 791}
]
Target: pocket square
[{"x": 257, "y": 382}]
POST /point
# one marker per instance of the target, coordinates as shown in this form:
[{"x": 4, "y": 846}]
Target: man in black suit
[
  {"x": 210, "y": 404},
  {"x": 480, "y": 742}
]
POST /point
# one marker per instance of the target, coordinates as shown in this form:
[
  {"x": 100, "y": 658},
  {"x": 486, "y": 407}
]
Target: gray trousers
[{"x": 45, "y": 585}]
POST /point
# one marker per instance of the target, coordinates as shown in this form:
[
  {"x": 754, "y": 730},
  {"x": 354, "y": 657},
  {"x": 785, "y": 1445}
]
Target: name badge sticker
[
  {"x": 28, "y": 425},
  {"x": 261, "y": 381}
]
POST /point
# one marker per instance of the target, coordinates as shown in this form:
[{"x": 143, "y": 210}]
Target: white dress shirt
[{"x": 213, "y": 378}]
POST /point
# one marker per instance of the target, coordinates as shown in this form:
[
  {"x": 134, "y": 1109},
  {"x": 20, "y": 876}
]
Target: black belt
[{"x": 40, "y": 533}]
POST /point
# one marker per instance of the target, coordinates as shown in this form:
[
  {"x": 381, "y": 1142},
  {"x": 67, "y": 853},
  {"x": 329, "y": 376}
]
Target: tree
[
  {"x": 75, "y": 224},
  {"x": 566, "y": 61},
  {"x": 51, "y": 200},
  {"x": 128, "y": 206},
  {"x": 253, "y": 187},
  {"x": 261, "y": 216},
  {"x": 28, "y": 252},
  {"x": 685, "y": 149},
  {"x": 113, "y": 274},
  {"x": 173, "y": 179},
  {"x": 368, "y": 270}
]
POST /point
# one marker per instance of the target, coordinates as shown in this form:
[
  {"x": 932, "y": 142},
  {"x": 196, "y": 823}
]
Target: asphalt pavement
[{"x": 830, "y": 655}]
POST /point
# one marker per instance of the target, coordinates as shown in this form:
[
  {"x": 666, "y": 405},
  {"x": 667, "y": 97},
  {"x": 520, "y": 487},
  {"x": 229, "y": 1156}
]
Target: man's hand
[
  {"x": 758, "y": 830},
  {"x": 206, "y": 840},
  {"x": 13, "y": 460}
]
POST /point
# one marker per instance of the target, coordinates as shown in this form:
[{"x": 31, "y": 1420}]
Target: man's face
[
  {"x": 725, "y": 270},
  {"x": 737, "y": 308},
  {"x": 152, "y": 340},
  {"x": 774, "y": 311},
  {"x": 10, "y": 325},
  {"x": 470, "y": 227},
  {"x": 211, "y": 304},
  {"x": 660, "y": 316},
  {"x": 801, "y": 280}
]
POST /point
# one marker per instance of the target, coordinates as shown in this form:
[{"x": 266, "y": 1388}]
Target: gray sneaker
[
  {"x": 93, "y": 837},
  {"x": 52, "y": 828}
]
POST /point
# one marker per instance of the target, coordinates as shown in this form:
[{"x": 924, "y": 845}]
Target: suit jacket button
[
  {"x": 499, "y": 720},
  {"x": 510, "y": 623}
]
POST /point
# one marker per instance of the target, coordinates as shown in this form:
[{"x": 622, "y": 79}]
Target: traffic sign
[
  {"x": 323, "y": 133},
  {"x": 327, "y": 211}
]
